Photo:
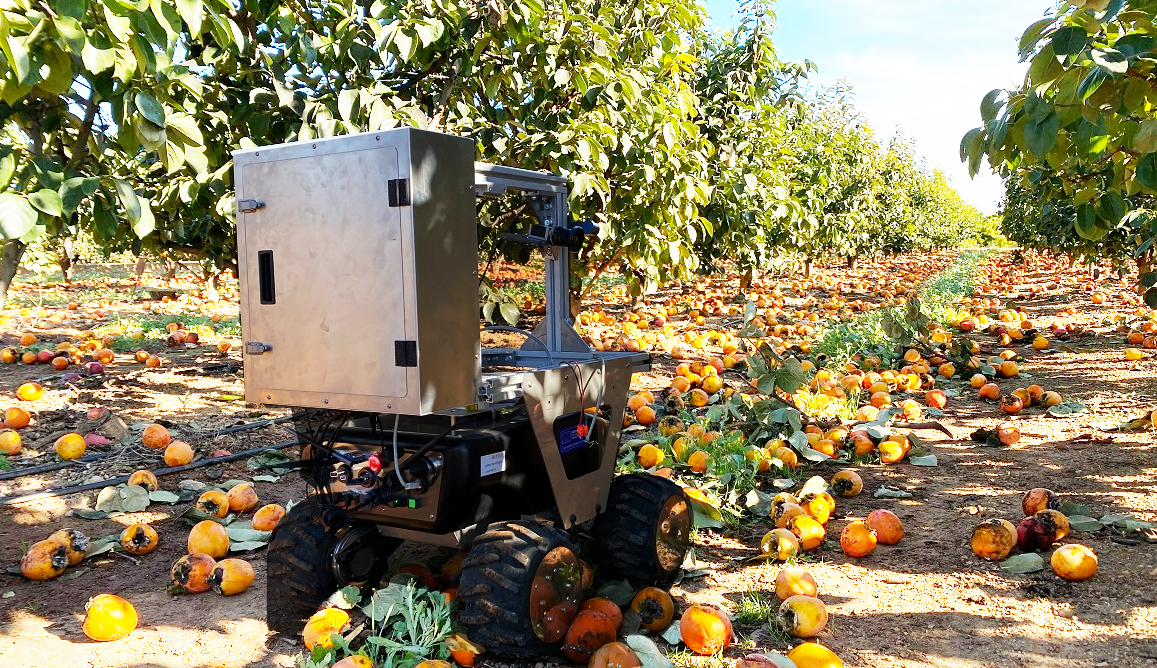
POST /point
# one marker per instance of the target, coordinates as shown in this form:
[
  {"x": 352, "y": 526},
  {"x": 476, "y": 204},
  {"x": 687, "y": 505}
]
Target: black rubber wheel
[
  {"x": 645, "y": 531},
  {"x": 302, "y": 571},
  {"x": 520, "y": 586}
]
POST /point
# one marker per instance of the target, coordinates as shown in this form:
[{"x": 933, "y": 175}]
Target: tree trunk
[
  {"x": 13, "y": 250},
  {"x": 852, "y": 259},
  {"x": 211, "y": 275},
  {"x": 67, "y": 259},
  {"x": 807, "y": 268},
  {"x": 1144, "y": 266}
]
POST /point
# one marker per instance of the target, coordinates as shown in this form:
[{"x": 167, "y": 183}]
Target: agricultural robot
[{"x": 358, "y": 263}]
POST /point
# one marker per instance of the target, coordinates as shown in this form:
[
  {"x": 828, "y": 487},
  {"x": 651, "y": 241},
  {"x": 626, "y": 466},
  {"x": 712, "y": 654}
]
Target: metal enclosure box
[{"x": 358, "y": 265}]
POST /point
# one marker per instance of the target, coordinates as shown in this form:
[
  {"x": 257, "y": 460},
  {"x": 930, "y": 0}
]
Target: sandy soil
[{"x": 922, "y": 603}]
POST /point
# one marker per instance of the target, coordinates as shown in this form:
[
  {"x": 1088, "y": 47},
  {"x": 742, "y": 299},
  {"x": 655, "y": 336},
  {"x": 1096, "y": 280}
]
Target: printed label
[
  {"x": 569, "y": 439},
  {"x": 495, "y": 463}
]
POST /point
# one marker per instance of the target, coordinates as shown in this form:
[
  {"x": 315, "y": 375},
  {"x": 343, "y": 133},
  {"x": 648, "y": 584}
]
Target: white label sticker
[{"x": 495, "y": 463}]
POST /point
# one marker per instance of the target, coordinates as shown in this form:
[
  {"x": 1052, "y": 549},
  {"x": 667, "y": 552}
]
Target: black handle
[{"x": 265, "y": 276}]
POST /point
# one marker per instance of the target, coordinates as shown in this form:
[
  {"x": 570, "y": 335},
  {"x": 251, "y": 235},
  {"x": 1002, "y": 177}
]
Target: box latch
[
  {"x": 405, "y": 353},
  {"x": 398, "y": 192}
]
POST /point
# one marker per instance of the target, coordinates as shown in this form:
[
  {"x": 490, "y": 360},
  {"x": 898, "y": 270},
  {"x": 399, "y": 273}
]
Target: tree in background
[
  {"x": 690, "y": 147},
  {"x": 1077, "y": 141}
]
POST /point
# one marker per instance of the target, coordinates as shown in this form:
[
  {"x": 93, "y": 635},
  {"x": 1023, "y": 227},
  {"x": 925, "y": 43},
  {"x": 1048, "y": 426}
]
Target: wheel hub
[
  {"x": 555, "y": 594},
  {"x": 354, "y": 554},
  {"x": 672, "y": 534}
]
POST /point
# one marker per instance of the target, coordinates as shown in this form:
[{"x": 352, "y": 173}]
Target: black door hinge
[
  {"x": 405, "y": 353},
  {"x": 398, "y": 192}
]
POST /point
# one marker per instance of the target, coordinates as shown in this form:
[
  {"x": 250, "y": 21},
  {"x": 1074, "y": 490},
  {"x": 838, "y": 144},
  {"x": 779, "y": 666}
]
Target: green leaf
[
  {"x": 1040, "y": 137},
  {"x": 619, "y": 591},
  {"x": 1030, "y": 562},
  {"x": 128, "y": 200},
  {"x": 1067, "y": 409},
  {"x": 1145, "y": 141},
  {"x": 1146, "y": 171},
  {"x": 705, "y": 515},
  {"x": 926, "y": 460},
  {"x": 17, "y": 217},
  {"x": 74, "y": 190},
  {"x": 1069, "y": 40},
  {"x": 134, "y": 498},
  {"x": 885, "y": 492},
  {"x": 650, "y": 656},
  {"x": 989, "y": 106},
  {"x": 510, "y": 313},
  {"x": 1085, "y": 523},
  {"x": 191, "y": 13},
  {"x": 162, "y": 496},
  {"x": 97, "y": 60},
  {"x": 46, "y": 200},
  {"x": 1111, "y": 60},
  {"x": 150, "y": 108},
  {"x": 1086, "y": 223}
]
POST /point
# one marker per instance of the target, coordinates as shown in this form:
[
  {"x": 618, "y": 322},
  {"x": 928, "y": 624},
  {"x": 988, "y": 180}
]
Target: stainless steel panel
[
  {"x": 354, "y": 275},
  {"x": 551, "y": 393}
]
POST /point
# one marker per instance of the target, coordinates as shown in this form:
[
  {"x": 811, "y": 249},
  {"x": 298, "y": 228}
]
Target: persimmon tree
[{"x": 1077, "y": 141}]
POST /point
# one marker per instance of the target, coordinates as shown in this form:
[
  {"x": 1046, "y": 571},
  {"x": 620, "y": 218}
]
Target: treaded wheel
[
  {"x": 302, "y": 570},
  {"x": 520, "y": 587},
  {"x": 645, "y": 531}
]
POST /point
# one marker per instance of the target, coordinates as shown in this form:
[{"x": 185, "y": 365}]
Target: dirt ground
[{"x": 925, "y": 602}]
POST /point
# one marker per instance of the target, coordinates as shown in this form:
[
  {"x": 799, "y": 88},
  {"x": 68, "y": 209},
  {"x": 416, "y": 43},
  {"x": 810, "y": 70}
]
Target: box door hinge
[
  {"x": 398, "y": 192},
  {"x": 405, "y": 353}
]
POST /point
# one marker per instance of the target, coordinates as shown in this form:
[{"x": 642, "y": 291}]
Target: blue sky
[{"x": 920, "y": 66}]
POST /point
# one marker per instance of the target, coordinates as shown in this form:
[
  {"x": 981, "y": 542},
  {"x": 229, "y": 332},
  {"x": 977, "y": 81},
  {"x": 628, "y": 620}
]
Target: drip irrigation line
[
  {"x": 95, "y": 457},
  {"x": 61, "y": 491}
]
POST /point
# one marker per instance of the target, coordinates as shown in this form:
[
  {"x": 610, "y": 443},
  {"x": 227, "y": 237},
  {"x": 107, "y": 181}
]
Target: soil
[{"x": 927, "y": 601}]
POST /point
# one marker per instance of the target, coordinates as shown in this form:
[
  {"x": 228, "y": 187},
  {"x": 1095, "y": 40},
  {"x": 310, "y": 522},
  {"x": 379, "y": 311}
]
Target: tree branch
[{"x": 85, "y": 131}]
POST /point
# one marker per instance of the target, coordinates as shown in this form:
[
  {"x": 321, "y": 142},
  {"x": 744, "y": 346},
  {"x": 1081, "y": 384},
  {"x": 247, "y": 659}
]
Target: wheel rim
[
  {"x": 672, "y": 533},
  {"x": 555, "y": 594},
  {"x": 354, "y": 555}
]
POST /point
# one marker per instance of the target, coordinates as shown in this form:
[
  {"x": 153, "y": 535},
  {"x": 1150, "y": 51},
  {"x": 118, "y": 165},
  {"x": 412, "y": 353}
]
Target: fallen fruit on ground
[
  {"x": 705, "y": 629},
  {"x": 108, "y": 617},
  {"x": 29, "y": 392},
  {"x": 462, "y": 650},
  {"x": 590, "y": 630},
  {"x": 847, "y": 483},
  {"x": 231, "y": 576},
  {"x": 242, "y": 498},
  {"x": 858, "y": 539},
  {"x": 1054, "y": 520},
  {"x": 994, "y": 539},
  {"x": 213, "y": 502},
  {"x": 794, "y": 581},
  {"x": 1074, "y": 562},
  {"x": 1038, "y": 499},
  {"x": 810, "y": 532},
  {"x": 139, "y": 539},
  {"x": 210, "y": 538},
  {"x": 70, "y": 446},
  {"x": 813, "y": 655},
  {"x": 889, "y": 529},
  {"x": 321, "y": 626},
  {"x": 44, "y": 560},
  {"x": 191, "y": 572},
  {"x": 1034, "y": 534},
  {"x": 17, "y": 418},
  {"x": 268, "y": 516},
  {"x": 605, "y": 606},
  {"x": 655, "y": 607},
  {"x": 615, "y": 655},
  {"x": 802, "y": 616},
  {"x": 145, "y": 479},
  {"x": 74, "y": 542},
  {"x": 155, "y": 436},
  {"x": 779, "y": 545},
  {"x": 178, "y": 453},
  {"x": 10, "y": 442}
]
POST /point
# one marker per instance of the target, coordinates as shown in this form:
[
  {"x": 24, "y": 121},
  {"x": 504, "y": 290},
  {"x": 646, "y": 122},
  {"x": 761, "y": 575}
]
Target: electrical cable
[
  {"x": 398, "y": 469},
  {"x": 529, "y": 335}
]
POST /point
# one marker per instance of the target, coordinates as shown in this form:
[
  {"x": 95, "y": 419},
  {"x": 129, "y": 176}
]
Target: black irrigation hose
[
  {"x": 56, "y": 466},
  {"x": 61, "y": 491}
]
